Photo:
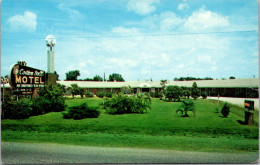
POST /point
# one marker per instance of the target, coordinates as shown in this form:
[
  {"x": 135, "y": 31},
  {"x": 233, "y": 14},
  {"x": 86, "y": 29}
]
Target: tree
[
  {"x": 232, "y": 77},
  {"x": 72, "y": 75},
  {"x": 116, "y": 76},
  {"x": 225, "y": 109},
  {"x": 195, "y": 92},
  {"x": 97, "y": 78},
  {"x": 173, "y": 92},
  {"x": 88, "y": 79},
  {"x": 57, "y": 75},
  {"x": 76, "y": 90}
]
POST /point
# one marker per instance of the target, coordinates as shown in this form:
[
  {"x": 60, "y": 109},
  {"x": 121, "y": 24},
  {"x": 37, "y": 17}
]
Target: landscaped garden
[{"x": 156, "y": 127}]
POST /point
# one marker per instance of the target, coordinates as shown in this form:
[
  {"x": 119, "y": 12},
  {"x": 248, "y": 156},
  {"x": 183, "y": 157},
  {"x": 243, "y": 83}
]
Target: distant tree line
[
  {"x": 191, "y": 78},
  {"x": 73, "y": 75},
  {"x": 194, "y": 78}
]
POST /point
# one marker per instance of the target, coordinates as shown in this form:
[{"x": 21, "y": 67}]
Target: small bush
[
  {"x": 17, "y": 109},
  {"x": 100, "y": 94},
  {"x": 80, "y": 112},
  {"x": 225, "y": 110},
  {"x": 108, "y": 94},
  {"x": 204, "y": 95},
  {"x": 89, "y": 94},
  {"x": 155, "y": 94}
]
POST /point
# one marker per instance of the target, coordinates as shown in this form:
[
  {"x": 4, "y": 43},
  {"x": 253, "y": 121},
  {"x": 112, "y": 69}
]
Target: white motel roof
[{"x": 229, "y": 83}]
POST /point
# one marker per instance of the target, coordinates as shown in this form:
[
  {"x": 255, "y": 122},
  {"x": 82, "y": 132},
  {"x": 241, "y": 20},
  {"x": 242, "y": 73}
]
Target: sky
[{"x": 139, "y": 39}]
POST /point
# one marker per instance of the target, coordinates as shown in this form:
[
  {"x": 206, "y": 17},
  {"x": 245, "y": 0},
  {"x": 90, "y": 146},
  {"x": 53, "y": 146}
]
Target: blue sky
[{"x": 140, "y": 39}]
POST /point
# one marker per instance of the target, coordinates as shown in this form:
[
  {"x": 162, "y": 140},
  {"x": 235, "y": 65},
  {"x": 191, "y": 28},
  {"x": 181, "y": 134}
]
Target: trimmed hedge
[{"x": 80, "y": 112}]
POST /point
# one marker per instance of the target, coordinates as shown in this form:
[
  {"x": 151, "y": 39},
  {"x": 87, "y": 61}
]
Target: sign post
[{"x": 249, "y": 112}]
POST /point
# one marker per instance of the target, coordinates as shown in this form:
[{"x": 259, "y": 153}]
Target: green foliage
[
  {"x": 108, "y": 94},
  {"x": 186, "y": 93},
  {"x": 100, "y": 94},
  {"x": 173, "y": 92},
  {"x": 17, "y": 109},
  {"x": 76, "y": 90},
  {"x": 127, "y": 90},
  {"x": 80, "y": 112},
  {"x": 195, "y": 92},
  {"x": 155, "y": 94},
  {"x": 122, "y": 104},
  {"x": 225, "y": 110},
  {"x": 186, "y": 106},
  {"x": 232, "y": 77},
  {"x": 116, "y": 76},
  {"x": 50, "y": 100},
  {"x": 81, "y": 92},
  {"x": 191, "y": 78},
  {"x": 89, "y": 94},
  {"x": 204, "y": 95},
  {"x": 72, "y": 75},
  {"x": 97, "y": 78}
]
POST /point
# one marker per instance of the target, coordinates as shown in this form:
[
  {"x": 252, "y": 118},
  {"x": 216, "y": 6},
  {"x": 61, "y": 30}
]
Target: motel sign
[{"x": 24, "y": 78}]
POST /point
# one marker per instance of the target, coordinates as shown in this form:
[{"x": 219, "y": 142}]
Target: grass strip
[{"x": 182, "y": 143}]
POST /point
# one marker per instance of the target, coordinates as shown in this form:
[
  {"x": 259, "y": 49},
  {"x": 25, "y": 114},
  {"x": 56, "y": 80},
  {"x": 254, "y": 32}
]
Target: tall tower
[
  {"x": 51, "y": 77},
  {"x": 50, "y": 42}
]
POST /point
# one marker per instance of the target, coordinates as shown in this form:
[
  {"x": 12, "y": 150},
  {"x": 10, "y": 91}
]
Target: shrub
[
  {"x": 17, "y": 109},
  {"x": 127, "y": 90},
  {"x": 155, "y": 94},
  {"x": 89, "y": 94},
  {"x": 225, "y": 109},
  {"x": 108, "y": 94},
  {"x": 50, "y": 99},
  {"x": 122, "y": 104},
  {"x": 186, "y": 93},
  {"x": 186, "y": 106},
  {"x": 82, "y": 111},
  {"x": 204, "y": 95},
  {"x": 100, "y": 94}
]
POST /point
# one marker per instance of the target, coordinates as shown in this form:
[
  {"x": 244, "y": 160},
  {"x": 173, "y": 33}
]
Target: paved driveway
[
  {"x": 237, "y": 101},
  {"x": 41, "y": 153}
]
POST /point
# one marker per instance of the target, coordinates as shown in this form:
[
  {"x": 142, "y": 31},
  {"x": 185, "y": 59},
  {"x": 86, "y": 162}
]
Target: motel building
[{"x": 244, "y": 88}]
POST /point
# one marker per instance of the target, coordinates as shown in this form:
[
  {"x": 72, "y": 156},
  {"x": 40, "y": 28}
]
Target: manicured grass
[
  {"x": 181, "y": 143},
  {"x": 151, "y": 130}
]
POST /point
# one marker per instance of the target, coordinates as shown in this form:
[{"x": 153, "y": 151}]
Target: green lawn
[{"x": 159, "y": 128}]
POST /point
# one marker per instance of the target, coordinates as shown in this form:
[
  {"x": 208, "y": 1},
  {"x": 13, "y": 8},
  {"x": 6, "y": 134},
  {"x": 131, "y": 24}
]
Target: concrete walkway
[
  {"x": 46, "y": 153},
  {"x": 238, "y": 101}
]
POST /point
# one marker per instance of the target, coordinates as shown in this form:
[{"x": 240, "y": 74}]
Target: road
[{"x": 49, "y": 153}]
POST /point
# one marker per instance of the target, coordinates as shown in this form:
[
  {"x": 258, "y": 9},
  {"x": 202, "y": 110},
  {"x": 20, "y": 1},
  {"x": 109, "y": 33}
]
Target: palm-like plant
[{"x": 186, "y": 106}]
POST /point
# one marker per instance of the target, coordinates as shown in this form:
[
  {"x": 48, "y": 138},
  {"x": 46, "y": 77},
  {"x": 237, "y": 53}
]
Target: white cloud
[
  {"x": 165, "y": 58},
  {"x": 82, "y": 64},
  {"x": 142, "y": 7},
  {"x": 204, "y": 58},
  {"x": 28, "y": 21},
  {"x": 73, "y": 14},
  {"x": 183, "y": 6},
  {"x": 169, "y": 20},
  {"x": 124, "y": 30},
  {"x": 205, "y": 20}
]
